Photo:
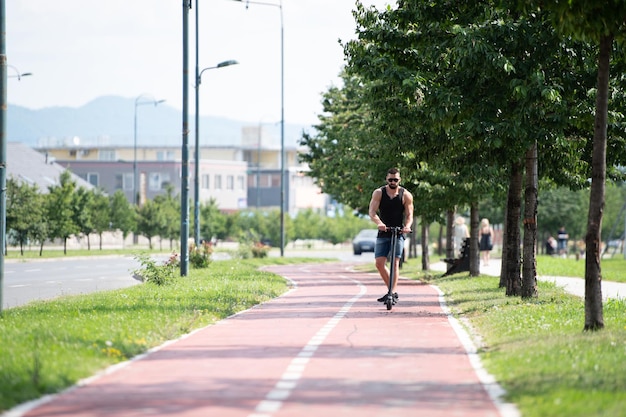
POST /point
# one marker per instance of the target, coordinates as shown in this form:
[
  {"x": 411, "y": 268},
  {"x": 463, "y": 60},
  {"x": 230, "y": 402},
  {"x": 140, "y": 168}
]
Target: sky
[{"x": 78, "y": 50}]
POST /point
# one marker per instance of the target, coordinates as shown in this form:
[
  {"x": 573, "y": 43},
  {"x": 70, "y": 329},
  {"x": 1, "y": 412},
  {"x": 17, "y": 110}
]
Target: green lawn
[
  {"x": 537, "y": 349},
  {"x": 613, "y": 269}
]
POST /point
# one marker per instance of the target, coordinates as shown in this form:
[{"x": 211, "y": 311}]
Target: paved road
[
  {"x": 51, "y": 278},
  {"x": 326, "y": 348}
]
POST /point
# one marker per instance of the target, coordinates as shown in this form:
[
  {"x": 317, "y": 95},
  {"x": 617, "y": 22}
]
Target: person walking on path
[
  {"x": 391, "y": 206},
  {"x": 561, "y": 238},
  {"x": 486, "y": 240}
]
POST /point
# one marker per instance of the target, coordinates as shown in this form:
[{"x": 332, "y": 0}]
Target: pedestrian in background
[
  {"x": 486, "y": 240},
  {"x": 561, "y": 239},
  {"x": 460, "y": 233}
]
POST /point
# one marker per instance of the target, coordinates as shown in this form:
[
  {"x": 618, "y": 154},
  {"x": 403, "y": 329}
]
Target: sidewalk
[
  {"x": 575, "y": 286},
  {"x": 325, "y": 348}
]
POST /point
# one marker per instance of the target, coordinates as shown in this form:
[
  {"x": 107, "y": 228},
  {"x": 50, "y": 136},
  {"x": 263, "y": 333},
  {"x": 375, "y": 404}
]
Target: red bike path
[{"x": 325, "y": 348}]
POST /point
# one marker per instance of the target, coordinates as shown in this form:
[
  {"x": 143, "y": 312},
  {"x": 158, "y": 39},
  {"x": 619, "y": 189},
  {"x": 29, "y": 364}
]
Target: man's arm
[
  {"x": 408, "y": 211},
  {"x": 373, "y": 210}
]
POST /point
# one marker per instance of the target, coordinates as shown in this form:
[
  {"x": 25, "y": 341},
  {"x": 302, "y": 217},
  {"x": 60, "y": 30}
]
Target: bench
[{"x": 461, "y": 264}]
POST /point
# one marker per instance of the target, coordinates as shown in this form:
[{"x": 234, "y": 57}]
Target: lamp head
[{"x": 227, "y": 63}]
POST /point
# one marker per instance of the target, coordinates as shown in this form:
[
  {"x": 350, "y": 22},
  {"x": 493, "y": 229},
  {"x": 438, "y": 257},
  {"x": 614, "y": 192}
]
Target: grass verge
[
  {"x": 48, "y": 346},
  {"x": 613, "y": 269},
  {"x": 537, "y": 350}
]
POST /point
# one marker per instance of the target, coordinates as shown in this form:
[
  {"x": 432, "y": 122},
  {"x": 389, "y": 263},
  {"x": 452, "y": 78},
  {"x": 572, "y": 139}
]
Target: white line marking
[
  {"x": 273, "y": 401},
  {"x": 494, "y": 390}
]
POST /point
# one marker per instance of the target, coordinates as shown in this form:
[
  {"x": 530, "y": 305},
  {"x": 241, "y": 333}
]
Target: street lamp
[
  {"x": 282, "y": 118},
  {"x": 139, "y": 102},
  {"x": 19, "y": 74},
  {"x": 196, "y": 180},
  {"x": 3, "y": 145}
]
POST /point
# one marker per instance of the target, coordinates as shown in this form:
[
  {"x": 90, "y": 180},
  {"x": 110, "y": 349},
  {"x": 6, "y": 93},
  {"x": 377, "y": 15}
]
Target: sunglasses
[{"x": 393, "y": 179}]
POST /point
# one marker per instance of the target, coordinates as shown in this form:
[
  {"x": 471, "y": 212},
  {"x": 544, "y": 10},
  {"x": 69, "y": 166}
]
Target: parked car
[{"x": 364, "y": 241}]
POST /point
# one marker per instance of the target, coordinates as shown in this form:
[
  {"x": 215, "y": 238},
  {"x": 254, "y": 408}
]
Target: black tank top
[{"x": 391, "y": 210}]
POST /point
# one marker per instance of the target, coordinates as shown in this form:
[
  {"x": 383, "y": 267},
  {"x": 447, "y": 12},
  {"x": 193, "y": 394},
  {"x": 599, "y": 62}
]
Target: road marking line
[{"x": 274, "y": 399}]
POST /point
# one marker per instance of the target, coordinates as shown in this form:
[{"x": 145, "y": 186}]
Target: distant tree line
[{"x": 66, "y": 210}]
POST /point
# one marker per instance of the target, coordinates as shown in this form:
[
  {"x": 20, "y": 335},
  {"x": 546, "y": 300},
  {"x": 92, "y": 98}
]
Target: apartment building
[{"x": 237, "y": 177}]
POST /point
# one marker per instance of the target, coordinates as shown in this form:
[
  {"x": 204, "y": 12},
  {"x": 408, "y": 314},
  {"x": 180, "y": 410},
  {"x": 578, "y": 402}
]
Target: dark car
[{"x": 364, "y": 241}]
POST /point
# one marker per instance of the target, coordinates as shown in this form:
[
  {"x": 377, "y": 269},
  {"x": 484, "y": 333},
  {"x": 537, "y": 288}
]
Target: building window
[
  {"x": 240, "y": 182},
  {"x": 165, "y": 155},
  {"x": 106, "y": 155},
  {"x": 218, "y": 182},
  {"x": 275, "y": 180},
  {"x": 205, "y": 181},
  {"x": 158, "y": 181},
  {"x": 93, "y": 178},
  {"x": 124, "y": 182},
  {"x": 230, "y": 182}
]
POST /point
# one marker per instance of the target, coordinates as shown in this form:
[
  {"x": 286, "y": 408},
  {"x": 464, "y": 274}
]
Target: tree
[
  {"x": 60, "y": 209},
  {"x": 24, "y": 211},
  {"x": 150, "y": 220},
  {"x": 169, "y": 208},
  {"x": 601, "y": 23},
  {"x": 213, "y": 222},
  {"x": 101, "y": 213},
  {"x": 123, "y": 214},
  {"x": 82, "y": 213}
]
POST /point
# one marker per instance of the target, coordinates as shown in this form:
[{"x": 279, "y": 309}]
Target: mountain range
[{"x": 110, "y": 120}]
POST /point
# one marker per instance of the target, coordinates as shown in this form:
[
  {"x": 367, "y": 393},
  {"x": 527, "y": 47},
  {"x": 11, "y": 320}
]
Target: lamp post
[
  {"x": 139, "y": 102},
  {"x": 3, "y": 145},
  {"x": 184, "y": 169},
  {"x": 196, "y": 211},
  {"x": 19, "y": 74},
  {"x": 282, "y": 117}
]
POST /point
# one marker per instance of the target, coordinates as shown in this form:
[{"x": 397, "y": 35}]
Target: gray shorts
[{"x": 383, "y": 247}]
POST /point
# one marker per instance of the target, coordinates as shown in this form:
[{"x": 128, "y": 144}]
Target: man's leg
[
  {"x": 396, "y": 268},
  {"x": 381, "y": 265}
]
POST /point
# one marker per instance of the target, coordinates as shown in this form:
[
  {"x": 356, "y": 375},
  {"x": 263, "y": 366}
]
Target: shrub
[
  {"x": 200, "y": 256},
  {"x": 150, "y": 271},
  {"x": 259, "y": 250}
]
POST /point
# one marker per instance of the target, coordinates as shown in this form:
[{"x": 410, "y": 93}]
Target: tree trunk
[
  {"x": 425, "y": 239},
  {"x": 450, "y": 234},
  {"x": 512, "y": 256},
  {"x": 529, "y": 265},
  {"x": 413, "y": 242},
  {"x": 439, "y": 241},
  {"x": 474, "y": 250},
  {"x": 502, "y": 283},
  {"x": 594, "y": 319}
]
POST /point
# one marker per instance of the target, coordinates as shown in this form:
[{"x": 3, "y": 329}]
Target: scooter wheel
[{"x": 389, "y": 303}]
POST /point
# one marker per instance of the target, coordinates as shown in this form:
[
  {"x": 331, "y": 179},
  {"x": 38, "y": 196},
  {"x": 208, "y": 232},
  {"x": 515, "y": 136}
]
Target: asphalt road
[
  {"x": 26, "y": 281},
  {"x": 51, "y": 278}
]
